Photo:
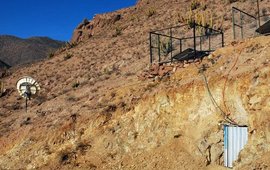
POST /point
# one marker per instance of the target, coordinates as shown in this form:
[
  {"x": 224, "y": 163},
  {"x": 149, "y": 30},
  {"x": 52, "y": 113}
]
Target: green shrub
[
  {"x": 151, "y": 12},
  {"x": 194, "y": 5},
  {"x": 190, "y": 23},
  {"x": 118, "y": 31},
  {"x": 51, "y": 55},
  {"x": 75, "y": 85},
  {"x": 203, "y": 6},
  {"x": 68, "y": 56},
  {"x": 264, "y": 12},
  {"x": 71, "y": 99},
  {"x": 71, "y": 45}
]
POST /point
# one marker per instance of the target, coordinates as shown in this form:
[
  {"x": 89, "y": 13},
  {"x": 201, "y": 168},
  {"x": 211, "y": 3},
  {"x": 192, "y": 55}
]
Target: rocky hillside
[
  {"x": 150, "y": 15},
  {"x": 14, "y": 50},
  {"x": 101, "y": 106}
]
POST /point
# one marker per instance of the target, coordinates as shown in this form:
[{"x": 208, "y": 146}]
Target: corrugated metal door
[{"x": 235, "y": 138}]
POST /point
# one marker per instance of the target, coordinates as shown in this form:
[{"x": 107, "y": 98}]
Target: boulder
[
  {"x": 115, "y": 18},
  {"x": 76, "y": 36},
  {"x": 85, "y": 29}
]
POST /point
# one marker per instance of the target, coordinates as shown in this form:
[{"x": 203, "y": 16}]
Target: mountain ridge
[{"x": 15, "y": 50}]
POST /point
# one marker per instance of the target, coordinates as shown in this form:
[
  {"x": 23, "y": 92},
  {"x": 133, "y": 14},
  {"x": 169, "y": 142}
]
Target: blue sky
[{"x": 53, "y": 18}]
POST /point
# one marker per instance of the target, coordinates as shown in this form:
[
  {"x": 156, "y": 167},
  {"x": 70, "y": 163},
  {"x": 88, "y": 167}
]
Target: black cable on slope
[
  {"x": 226, "y": 118},
  {"x": 229, "y": 120}
]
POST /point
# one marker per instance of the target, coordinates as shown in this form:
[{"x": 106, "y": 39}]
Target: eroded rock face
[
  {"x": 258, "y": 105},
  {"x": 86, "y": 29}
]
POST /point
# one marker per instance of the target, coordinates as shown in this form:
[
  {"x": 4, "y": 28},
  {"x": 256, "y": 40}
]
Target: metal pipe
[
  {"x": 180, "y": 46},
  {"x": 200, "y": 43},
  {"x": 171, "y": 45},
  {"x": 164, "y": 35},
  {"x": 200, "y": 36},
  {"x": 26, "y": 104},
  {"x": 151, "y": 53},
  {"x": 185, "y": 37},
  {"x": 259, "y": 17},
  {"x": 241, "y": 20},
  {"x": 194, "y": 35},
  {"x": 233, "y": 21},
  {"x": 222, "y": 35},
  {"x": 158, "y": 49},
  {"x": 209, "y": 43},
  {"x": 179, "y": 26},
  {"x": 156, "y": 31},
  {"x": 243, "y": 12}
]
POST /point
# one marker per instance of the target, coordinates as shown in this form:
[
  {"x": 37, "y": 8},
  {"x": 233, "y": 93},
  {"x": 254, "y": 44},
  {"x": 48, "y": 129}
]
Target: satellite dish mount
[{"x": 27, "y": 88}]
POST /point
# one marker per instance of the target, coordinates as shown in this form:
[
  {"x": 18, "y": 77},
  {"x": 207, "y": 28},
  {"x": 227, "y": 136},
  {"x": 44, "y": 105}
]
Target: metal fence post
[
  {"x": 180, "y": 45},
  {"x": 194, "y": 39},
  {"x": 201, "y": 43},
  {"x": 209, "y": 43},
  {"x": 241, "y": 20},
  {"x": 171, "y": 48},
  {"x": 259, "y": 16},
  {"x": 222, "y": 35},
  {"x": 233, "y": 21},
  {"x": 159, "y": 49},
  {"x": 151, "y": 53}
]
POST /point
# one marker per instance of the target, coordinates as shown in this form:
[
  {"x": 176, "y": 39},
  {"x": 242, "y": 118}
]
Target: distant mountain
[
  {"x": 14, "y": 50},
  {"x": 4, "y": 65}
]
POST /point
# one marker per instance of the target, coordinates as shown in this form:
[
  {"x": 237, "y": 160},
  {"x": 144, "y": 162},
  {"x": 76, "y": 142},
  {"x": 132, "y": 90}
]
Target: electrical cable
[
  {"x": 224, "y": 87},
  {"x": 226, "y": 117}
]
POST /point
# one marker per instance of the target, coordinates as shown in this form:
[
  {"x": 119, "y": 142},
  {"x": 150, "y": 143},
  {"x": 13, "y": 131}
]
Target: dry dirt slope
[
  {"x": 170, "y": 124},
  {"x": 93, "y": 112}
]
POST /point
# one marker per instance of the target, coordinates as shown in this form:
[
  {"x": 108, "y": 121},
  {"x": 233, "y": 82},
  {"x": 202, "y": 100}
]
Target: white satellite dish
[{"x": 27, "y": 88}]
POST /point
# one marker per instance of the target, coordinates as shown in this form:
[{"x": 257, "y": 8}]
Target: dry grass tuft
[{"x": 2, "y": 89}]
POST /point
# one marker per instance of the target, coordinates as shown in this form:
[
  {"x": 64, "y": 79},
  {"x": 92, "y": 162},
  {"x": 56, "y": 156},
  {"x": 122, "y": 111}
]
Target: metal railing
[
  {"x": 244, "y": 21},
  {"x": 245, "y": 24},
  {"x": 167, "y": 43}
]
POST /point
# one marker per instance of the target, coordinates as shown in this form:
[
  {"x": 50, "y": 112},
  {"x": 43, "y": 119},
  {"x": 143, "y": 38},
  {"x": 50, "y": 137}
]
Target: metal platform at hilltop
[
  {"x": 183, "y": 42},
  {"x": 193, "y": 41}
]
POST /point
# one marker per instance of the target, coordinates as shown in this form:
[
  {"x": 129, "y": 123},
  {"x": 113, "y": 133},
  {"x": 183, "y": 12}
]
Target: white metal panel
[
  {"x": 235, "y": 138},
  {"x": 230, "y": 147},
  {"x": 225, "y": 145}
]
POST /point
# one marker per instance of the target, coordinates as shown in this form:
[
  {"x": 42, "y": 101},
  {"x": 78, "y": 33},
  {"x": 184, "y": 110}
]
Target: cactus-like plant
[
  {"x": 151, "y": 12},
  {"x": 190, "y": 19},
  {"x": 211, "y": 24},
  {"x": 194, "y": 5},
  {"x": 166, "y": 47},
  {"x": 203, "y": 18},
  {"x": 118, "y": 31},
  {"x": 203, "y": 6}
]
